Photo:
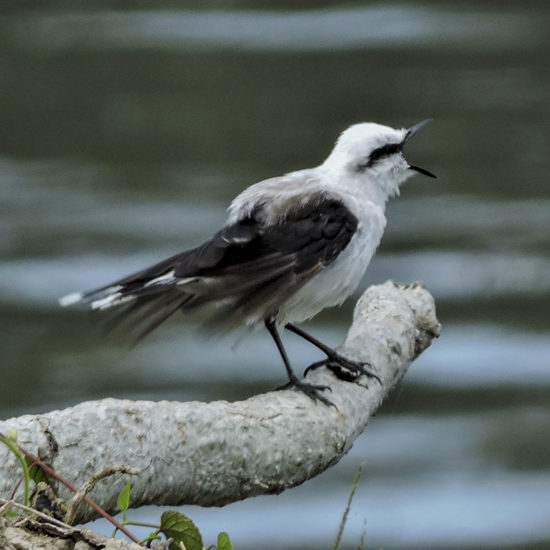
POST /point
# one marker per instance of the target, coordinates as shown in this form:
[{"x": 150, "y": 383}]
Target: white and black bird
[{"x": 292, "y": 246}]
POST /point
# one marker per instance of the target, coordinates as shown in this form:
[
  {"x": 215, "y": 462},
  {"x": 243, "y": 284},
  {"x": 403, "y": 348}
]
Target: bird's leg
[
  {"x": 346, "y": 369},
  {"x": 311, "y": 390}
]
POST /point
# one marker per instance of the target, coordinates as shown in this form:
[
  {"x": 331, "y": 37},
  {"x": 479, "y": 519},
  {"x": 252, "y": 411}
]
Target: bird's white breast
[{"x": 336, "y": 282}]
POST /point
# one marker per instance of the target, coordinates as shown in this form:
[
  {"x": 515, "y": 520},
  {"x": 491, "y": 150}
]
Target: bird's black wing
[
  {"x": 310, "y": 237},
  {"x": 251, "y": 267}
]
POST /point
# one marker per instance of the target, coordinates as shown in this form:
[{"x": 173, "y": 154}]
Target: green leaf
[
  {"x": 10, "y": 440},
  {"x": 123, "y": 499},
  {"x": 180, "y": 528},
  {"x": 36, "y": 473},
  {"x": 223, "y": 542}
]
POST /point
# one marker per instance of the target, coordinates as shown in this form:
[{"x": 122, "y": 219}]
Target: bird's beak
[{"x": 410, "y": 133}]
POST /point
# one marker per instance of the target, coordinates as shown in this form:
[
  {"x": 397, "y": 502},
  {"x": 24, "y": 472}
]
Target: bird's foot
[
  {"x": 313, "y": 391},
  {"x": 345, "y": 369}
]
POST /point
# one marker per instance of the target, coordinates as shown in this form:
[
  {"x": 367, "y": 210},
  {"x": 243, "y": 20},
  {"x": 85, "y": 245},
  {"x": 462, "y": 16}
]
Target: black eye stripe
[
  {"x": 384, "y": 151},
  {"x": 377, "y": 154}
]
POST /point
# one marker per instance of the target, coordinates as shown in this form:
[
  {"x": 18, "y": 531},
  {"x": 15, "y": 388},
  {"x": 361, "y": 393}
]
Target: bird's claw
[
  {"x": 345, "y": 369},
  {"x": 313, "y": 391}
]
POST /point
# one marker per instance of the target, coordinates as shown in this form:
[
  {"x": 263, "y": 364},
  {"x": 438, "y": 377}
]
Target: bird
[{"x": 292, "y": 246}]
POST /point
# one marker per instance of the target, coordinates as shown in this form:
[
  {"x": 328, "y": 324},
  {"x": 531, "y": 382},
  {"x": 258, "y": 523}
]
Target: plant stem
[
  {"x": 15, "y": 449},
  {"x": 348, "y": 506}
]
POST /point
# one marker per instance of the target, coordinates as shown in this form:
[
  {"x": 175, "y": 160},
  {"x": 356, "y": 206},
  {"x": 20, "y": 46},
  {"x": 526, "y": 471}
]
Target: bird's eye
[{"x": 380, "y": 152}]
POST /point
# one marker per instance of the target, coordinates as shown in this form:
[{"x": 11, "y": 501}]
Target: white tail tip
[
  {"x": 112, "y": 300},
  {"x": 70, "y": 299}
]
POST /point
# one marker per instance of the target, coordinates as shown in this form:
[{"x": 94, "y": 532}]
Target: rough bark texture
[{"x": 216, "y": 453}]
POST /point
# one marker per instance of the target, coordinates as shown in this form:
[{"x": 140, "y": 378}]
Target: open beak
[{"x": 410, "y": 133}]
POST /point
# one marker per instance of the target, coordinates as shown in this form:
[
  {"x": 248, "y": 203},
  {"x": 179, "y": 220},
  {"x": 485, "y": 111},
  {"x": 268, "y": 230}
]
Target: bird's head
[{"x": 373, "y": 154}]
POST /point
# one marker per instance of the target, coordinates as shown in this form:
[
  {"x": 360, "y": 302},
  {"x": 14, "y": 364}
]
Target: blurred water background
[{"x": 127, "y": 127}]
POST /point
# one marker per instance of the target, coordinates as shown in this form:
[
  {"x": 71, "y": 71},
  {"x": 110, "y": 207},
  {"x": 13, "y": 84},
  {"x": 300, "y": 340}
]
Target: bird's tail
[
  {"x": 244, "y": 293},
  {"x": 141, "y": 301}
]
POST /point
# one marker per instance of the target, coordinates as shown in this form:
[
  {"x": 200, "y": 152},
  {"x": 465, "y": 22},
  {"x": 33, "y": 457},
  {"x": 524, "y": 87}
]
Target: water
[{"x": 125, "y": 134}]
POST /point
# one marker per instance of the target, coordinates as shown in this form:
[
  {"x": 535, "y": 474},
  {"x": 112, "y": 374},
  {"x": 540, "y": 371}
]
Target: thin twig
[
  {"x": 72, "y": 488},
  {"x": 91, "y": 483},
  {"x": 28, "y": 509}
]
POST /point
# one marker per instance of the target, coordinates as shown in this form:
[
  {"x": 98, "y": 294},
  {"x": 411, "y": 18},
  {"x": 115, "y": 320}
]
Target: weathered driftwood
[{"x": 216, "y": 453}]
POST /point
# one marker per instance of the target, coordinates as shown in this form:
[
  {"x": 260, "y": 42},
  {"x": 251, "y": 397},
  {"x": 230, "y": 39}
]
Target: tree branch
[{"x": 216, "y": 453}]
